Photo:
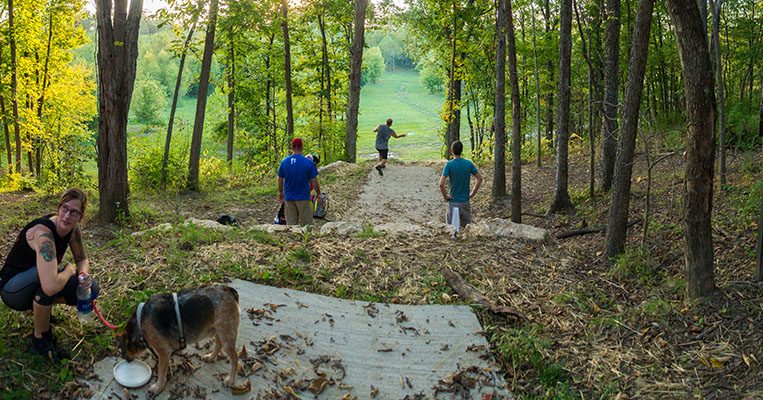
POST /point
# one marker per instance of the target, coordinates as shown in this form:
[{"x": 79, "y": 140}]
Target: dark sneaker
[
  {"x": 47, "y": 347},
  {"x": 379, "y": 169}
]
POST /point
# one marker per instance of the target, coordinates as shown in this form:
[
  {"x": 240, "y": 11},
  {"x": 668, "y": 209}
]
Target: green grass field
[
  {"x": 398, "y": 95},
  {"x": 401, "y": 96}
]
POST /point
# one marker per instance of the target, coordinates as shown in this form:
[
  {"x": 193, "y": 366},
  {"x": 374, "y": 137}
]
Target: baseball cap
[{"x": 296, "y": 143}]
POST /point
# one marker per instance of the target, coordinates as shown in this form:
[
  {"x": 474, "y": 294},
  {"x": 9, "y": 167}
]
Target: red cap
[{"x": 296, "y": 143}]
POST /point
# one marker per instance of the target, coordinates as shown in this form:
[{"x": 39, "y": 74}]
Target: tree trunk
[
  {"x": 231, "y": 102},
  {"x": 44, "y": 87},
  {"x": 550, "y": 96},
  {"x": 561, "y": 200},
  {"x": 702, "y": 5},
  {"x": 715, "y": 8},
  {"x": 322, "y": 81},
  {"x": 537, "y": 87},
  {"x": 201, "y": 100},
  {"x": 587, "y": 55},
  {"x": 14, "y": 85},
  {"x": 760, "y": 114},
  {"x": 4, "y": 121},
  {"x": 287, "y": 68},
  {"x": 270, "y": 104},
  {"x": 454, "y": 87},
  {"x": 175, "y": 96},
  {"x": 326, "y": 69},
  {"x": 516, "y": 116},
  {"x": 621, "y": 185},
  {"x": 117, "y": 58},
  {"x": 454, "y": 124},
  {"x": 759, "y": 247},
  {"x": 353, "y": 95},
  {"x": 499, "y": 150},
  {"x": 611, "y": 83},
  {"x": 700, "y": 146}
]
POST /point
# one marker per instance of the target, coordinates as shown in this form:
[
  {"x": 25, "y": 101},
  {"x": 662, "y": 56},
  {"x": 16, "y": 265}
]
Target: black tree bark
[
  {"x": 516, "y": 120},
  {"x": 287, "y": 68},
  {"x": 621, "y": 187},
  {"x": 759, "y": 247},
  {"x": 561, "y": 200},
  {"x": 231, "y": 101},
  {"x": 699, "y": 98},
  {"x": 117, "y": 59},
  {"x": 14, "y": 85},
  {"x": 499, "y": 112},
  {"x": 353, "y": 96},
  {"x": 611, "y": 83},
  {"x": 175, "y": 94},
  {"x": 201, "y": 100}
]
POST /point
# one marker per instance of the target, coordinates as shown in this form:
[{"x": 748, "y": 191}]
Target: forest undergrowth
[{"x": 590, "y": 328}]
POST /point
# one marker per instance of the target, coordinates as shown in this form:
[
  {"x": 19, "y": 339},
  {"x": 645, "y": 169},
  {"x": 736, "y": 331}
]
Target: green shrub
[
  {"x": 742, "y": 126},
  {"x": 525, "y": 349},
  {"x": 655, "y": 307},
  {"x": 145, "y": 169},
  {"x": 746, "y": 203},
  {"x": 432, "y": 79},
  {"x": 636, "y": 263},
  {"x": 373, "y": 66},
  {"x": 149, "y": 101},
  {"x": 368, "y": 232},
  {"x": 16, "y": 182}
]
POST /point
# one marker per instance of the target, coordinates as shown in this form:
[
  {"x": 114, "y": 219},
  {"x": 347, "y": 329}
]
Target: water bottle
[{"x": 84, "y": 307}]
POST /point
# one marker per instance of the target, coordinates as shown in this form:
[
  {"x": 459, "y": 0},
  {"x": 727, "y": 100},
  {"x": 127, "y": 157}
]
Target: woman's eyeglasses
[{"x": 71, "y": 211}]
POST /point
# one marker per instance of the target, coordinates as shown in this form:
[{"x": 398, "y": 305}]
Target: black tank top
[{"x": 22, "y": 257}]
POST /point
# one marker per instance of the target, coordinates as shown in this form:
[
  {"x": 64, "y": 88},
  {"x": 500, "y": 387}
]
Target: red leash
[{"x": 98, "y": 313}]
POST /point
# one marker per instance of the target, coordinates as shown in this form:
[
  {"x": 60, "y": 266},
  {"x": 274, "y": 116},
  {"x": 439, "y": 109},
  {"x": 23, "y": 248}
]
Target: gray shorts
[
  {"x": 464, "y": 213},
  {"x": 299, "y": 212}
]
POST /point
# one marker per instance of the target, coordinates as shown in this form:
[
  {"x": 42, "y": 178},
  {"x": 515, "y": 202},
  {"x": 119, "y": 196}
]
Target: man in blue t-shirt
[
  {"x": 295, "y": 174},
  {"x": 383, "y": 133},
  {"x": 459, "y": 170}
]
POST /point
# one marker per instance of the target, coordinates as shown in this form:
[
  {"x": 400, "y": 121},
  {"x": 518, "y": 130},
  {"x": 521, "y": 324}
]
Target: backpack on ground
[
  {"x": 320, "y": 205},
  {"x": 280, "y": 218}
]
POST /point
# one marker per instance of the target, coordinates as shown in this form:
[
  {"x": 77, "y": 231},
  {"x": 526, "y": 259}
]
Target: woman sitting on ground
[{"x": 31, "y": 278}]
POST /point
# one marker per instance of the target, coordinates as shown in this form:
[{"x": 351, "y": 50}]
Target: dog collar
[
  {"x": 138, "y": 315},
  {"x": 181, "y": 339},
  {"x": 180, "y": 322}
]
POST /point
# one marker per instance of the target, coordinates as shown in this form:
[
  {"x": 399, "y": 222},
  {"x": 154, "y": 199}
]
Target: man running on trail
[{"x": 383, "y": 132}]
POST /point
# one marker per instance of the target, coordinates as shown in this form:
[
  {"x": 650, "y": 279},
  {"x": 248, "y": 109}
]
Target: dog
[{"x": 208, "y": 311}]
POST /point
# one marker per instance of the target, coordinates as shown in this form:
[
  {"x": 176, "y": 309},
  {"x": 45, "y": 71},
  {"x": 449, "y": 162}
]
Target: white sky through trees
[{"x": 149, "y": 6}]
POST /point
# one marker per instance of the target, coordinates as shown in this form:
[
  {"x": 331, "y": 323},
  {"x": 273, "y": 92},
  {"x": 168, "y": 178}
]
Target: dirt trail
[{"x": 405, "y": 194}]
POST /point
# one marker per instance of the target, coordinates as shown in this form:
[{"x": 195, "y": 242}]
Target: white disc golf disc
[{"x": 132, "y": 374}]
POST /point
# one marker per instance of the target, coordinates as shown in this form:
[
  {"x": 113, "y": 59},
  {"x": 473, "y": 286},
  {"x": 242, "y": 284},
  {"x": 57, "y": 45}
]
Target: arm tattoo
[
  {"x": 76, "y": 244},
  {"x": 47, "y": 251}
]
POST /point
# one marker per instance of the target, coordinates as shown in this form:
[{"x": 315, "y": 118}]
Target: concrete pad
[{"x": 303, "y": 345}]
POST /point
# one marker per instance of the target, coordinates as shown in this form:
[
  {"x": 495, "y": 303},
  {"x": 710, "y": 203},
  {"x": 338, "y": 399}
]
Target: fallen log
[
  {"x": 585, "y": 231},
  {"x": 468, "y": 292}
]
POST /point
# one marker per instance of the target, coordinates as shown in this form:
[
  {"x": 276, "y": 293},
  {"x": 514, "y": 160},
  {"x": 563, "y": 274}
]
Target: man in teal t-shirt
[{"x": 459, "y": 171}]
